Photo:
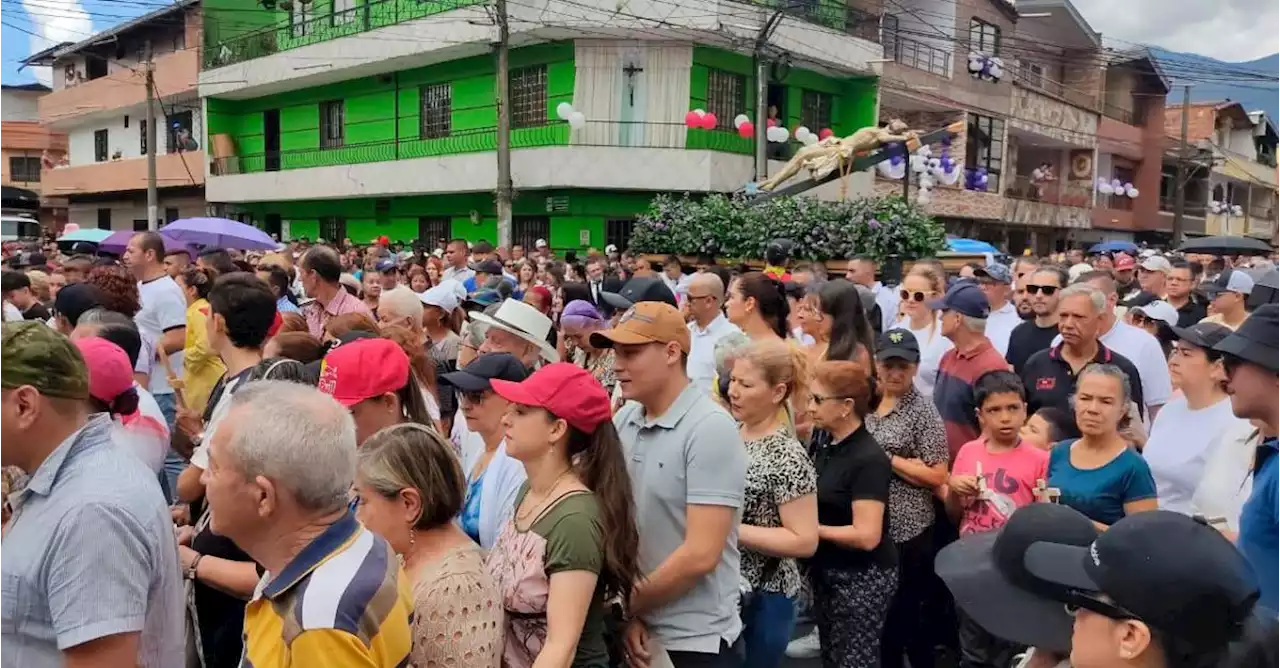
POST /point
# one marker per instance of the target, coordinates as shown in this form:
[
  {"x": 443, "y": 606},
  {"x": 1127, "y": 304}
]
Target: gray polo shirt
[
  {"x": 690, "y": 455},
  {"x": 90, "y": 553}
]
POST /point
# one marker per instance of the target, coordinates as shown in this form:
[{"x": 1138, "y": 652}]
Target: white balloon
[
  {"x": 739, "y": 120},
  {"x": 802, "y": 132},
  {"x": 810, "y": 139},
  {"x": 700, "y": 112},
  {"x": 1106, "y": 189},
  {"x": 1132, "y": 192},
  {"x": 564, "y": 110},
  {"x": 577, "y": 120}
]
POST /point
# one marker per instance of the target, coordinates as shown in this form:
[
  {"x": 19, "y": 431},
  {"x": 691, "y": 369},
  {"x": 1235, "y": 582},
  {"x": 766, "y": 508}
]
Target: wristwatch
[{"x": 191, "y": 570}]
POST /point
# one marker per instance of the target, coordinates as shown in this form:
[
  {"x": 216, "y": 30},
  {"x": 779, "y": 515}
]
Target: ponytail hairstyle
[
  {"x": 770, "y": 295},
  {"x": 125, "y": 403},
  {"x": 780, "y": 363},
  {"x": 598, "y": 460},
  {"x": 200, "y": 278}
]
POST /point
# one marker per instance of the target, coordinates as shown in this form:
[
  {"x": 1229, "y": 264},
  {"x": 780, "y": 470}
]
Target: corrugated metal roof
[{"x": 53, "y": 53}]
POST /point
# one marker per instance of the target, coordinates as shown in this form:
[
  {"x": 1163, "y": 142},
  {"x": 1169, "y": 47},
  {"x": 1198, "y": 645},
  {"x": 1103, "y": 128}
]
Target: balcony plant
[{"x": 730, "y": 227}]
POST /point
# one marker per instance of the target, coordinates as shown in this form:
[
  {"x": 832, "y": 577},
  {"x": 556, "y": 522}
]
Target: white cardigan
[{"x": 502, "y": 481}]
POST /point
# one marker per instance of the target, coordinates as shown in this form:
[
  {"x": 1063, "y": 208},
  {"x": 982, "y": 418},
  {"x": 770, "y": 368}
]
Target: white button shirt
[
  {"x": 1000, "y": 324},
  {"x": 702, "y": 350}
]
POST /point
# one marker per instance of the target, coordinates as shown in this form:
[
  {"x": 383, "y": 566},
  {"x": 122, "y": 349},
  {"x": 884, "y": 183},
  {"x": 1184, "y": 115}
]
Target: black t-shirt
[
  {"x": 855, "y": 469},
  {"x": 1050, "y": 381},
  {"x": 1026, "y": 340},
  {"x": 221, "y": 615},
  {"x": 1192, "y": 312},
  {"x": 37, "y": 311}
]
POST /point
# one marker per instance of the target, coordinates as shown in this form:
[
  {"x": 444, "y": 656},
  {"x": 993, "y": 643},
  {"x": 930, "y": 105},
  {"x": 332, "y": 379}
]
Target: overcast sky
[{"x": 1231, "y": 30}]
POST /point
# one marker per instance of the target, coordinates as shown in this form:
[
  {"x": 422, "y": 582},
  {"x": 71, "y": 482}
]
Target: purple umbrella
[
  {"x": 219, "y": 233},
  {"x": 116, "y": 243}
]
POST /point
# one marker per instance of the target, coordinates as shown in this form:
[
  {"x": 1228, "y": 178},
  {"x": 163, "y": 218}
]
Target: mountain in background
[{"x": 1203, "y": 70}]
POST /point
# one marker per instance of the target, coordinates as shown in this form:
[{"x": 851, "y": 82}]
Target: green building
[{"x": 337, "y": 118}]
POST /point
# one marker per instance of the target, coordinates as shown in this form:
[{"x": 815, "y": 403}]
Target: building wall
[
  {"x": 125, "y": 211},
  {"x": 124, "y": 133},
  {"x": 20, "y": 106}
]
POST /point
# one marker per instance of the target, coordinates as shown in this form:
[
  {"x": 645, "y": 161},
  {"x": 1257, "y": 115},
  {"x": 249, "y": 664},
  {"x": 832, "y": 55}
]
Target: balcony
[
  {"x": 1049, "y": 204},
  {"x": 1030, "y": 75},
  {"x": 916, "y": 54},
  {"x": 172, "y": 170},
  {"x": 175, "y": 73},
  {"x": 1046, "y": 116},
  {"x": 1169, "y": 203}
]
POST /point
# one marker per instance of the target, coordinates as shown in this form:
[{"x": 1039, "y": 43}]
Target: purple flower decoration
[{"x": 873, "y": 224}]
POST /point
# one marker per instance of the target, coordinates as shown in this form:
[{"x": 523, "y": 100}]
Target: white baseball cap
[
  {"x": 442, "y": 296},
  {"x": 540, "y": 243},
  {"x": 1159, "y": 310},
  {"x": 1157, "y": 263}
]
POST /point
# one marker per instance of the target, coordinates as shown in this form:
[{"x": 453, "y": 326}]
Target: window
[
  {"x": 142, "y": 136},
  {"x": 815, "y": 110},
  {"x": 300, "y": 19},
  {"x": 332, "y": 120},
  {"x": 100, "y": 148},
  {"x": 333, "y": 228},
  {"x": 344, "y": 11},
  {"x": 104, "y": 219},
  {"x": 618, "y": 232},
  {"x": 1031, "y": 74},
  {"x": 984, "y": 37},
  {"x": 529, "y": 96},
  {"x": 525, "y": 230},
  {"x": 139, "y": 224},
  {"x": 431, "y": 229},
  {"x": 436, "y": 111},
  {"x": 95, "y": 67},
  {"x": 170, "y": 215},
  {"x": 726, "y": 97},
  {"x": 24, "y": 169},
  {"x": 984, "y": 147},
  {"x": 179, "y": 133}
]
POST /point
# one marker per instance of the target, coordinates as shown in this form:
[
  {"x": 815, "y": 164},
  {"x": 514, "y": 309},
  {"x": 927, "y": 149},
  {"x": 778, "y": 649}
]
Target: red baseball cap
[
  {"x": 565, "y": 391},
  {"x": 363, "y": 369},
  {"x": 1124, "y": 262}
]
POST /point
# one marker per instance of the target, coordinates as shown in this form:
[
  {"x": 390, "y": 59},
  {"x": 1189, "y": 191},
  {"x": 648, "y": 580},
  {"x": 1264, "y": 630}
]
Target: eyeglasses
[
  {"x": 1048, "y": 290},
  {"x": 820, "y": 398},
  {"x": 913, "y": 296},
  {"x": 473, "y": 398},
  {"x": 1079, "y": 600}
]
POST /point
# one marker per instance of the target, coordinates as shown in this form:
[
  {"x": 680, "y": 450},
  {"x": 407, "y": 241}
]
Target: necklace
[{"x": 530, "y": 507}]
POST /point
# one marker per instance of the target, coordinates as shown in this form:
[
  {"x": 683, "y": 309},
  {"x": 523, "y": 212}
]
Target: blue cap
[
  {"x": 964, "y": 298},
  {"x": 996, "y": 272},
  {"x": 482, "y": 299},
  {"x": 384, "y": 265}
]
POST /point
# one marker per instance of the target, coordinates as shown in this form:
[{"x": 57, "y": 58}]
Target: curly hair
[{"x": 118, "y": 289}]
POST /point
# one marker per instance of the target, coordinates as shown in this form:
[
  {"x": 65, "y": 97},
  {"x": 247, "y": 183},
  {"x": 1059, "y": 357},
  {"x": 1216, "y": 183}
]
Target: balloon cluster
[
  {"x": 565, "y": 111},
  {"x": 700, "y": 120},
  {"x": 746, "y": 129},
  {"x": 976, "y": 178},
  {"x": 1227, "y": 208},
  {"x": 776, "y": 133},
  {"x": 985, "y": 67},
  {"x": 1115, "y": 187},
  {"x": 929, "y": 170}
]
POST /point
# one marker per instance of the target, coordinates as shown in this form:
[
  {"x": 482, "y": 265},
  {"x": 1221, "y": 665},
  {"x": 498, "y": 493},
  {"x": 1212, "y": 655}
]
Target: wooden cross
[
  {"x": 631, "y": 71},
  {"x": 983, "y": 492}
]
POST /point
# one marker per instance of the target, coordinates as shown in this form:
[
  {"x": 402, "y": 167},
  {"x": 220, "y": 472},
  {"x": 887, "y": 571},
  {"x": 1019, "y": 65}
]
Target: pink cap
[{"x": 110, "y": 374}]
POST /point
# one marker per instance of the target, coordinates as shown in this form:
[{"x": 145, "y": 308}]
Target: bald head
[
  {"x": 705, "y": 295},
  {"x": 707, "y": 284}
]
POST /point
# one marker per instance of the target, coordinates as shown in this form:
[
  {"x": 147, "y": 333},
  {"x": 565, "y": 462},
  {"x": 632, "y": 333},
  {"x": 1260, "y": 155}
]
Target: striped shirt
[
  {"x": 953, "y": 393},
  {"x": 343, "y": 601}
]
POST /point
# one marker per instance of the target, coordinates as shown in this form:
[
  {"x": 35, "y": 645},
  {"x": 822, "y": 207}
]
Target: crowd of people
[{"x": 341, "y": 455}]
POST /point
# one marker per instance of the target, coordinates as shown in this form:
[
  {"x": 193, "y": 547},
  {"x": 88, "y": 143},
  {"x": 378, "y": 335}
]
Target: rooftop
[{"x": 49, "y": 55}]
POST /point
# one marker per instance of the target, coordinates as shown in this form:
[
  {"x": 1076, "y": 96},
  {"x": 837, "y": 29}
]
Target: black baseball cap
[
  {"x": 898, "y": 344},
  {"x": 475, "y": 376},
  {"x": 989, "y": 578},
  {"x": 1256, "y": 340},
  {"x": 73, "y": 300},
  {"x": 487, "y": 267},
  {"x": 1175, "y": 573},
  {"x": 1202, "y": 334},
  {"x": 779, "y": 251},
  {"x": 646, "y": 289}
]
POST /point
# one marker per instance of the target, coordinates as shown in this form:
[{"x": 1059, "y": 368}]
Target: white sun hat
[{"x": 525, "y": 322}]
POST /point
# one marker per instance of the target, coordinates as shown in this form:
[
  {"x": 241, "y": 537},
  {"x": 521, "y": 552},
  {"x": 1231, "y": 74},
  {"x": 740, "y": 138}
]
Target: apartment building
[
  {"x": 335, "y": 119},
  {"x": 1231, "y": 183},
  {"x": 99, "y": 100},
  {"x": 25, "y": 146},
  {"x": 1131, "y": 147}
]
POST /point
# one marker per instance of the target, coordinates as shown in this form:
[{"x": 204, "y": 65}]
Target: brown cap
[{"x": 646, "y": 322}]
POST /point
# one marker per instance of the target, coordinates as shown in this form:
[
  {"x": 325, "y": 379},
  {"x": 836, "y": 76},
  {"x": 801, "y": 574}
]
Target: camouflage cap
[{"x": 36, "y": 355}]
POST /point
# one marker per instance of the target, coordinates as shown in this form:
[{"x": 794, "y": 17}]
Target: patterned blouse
[
  {"x": 778, "y": 471},
  {"x": 601, "y": 369},
  {"x": 452, "y": 593},
  {"x": 912, "y": 430}
]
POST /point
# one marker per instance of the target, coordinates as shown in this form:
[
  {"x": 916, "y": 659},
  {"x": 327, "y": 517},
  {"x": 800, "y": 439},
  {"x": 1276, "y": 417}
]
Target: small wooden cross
[
  {"x": 1046, "y": 494},
  {"x": 983, "y": 492}
]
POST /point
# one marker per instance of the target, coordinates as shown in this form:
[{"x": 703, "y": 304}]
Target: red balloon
[
  {"x": 826, "y": 132},
  {"x": 771, "y": 123},
  {"x": 747, "y": 130},
  {"x": 709, "y": 121},
  {"x": 692, "y": 120}
]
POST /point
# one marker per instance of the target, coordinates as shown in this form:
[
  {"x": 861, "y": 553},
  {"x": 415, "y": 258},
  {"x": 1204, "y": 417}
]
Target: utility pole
[
  {"x": 504, "y": 125},
  {"x": 762, "y": 94},
  {"x": 153, "y": 197},
  {"x": 1180, "y": 195}
]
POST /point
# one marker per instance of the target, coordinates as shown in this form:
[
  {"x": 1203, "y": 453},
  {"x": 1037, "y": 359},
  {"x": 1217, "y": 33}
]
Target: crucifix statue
[{"x": 631, "y": 70}]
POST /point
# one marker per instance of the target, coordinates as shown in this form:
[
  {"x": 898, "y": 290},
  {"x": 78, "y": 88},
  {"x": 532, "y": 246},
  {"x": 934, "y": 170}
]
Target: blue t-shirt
[
  {"x": 1259, "y": 529},
  {"x": 1102, "y": 492},
  {"x": 469, "y": 519}
]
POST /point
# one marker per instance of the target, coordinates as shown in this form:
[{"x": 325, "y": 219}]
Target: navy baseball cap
[
  {"x": 475, "y": 376},
  {"x": 1175, "y": 573},
  {"x": 386, "y": 265},
  {"x": 640, "y": 290},
  {"x": 898, "y": 344},
  {"x": 1256, "y": 340},
  {"x": 996, "y": 272},
  {"x": 481, "y": 300},
  {"x": 965, "y": 298},
  {"x": 490, "y": 267}
]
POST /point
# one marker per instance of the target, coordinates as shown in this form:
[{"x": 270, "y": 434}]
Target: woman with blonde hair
[
  {"x": 410, "y": 486},
  {"x": 780, "y": 507},
  {"x": 919, "y": 288}
]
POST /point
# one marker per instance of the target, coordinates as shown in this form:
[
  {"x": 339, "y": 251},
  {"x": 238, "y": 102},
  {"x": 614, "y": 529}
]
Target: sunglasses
[
  {"x": 473, "y": 398},
  {"x": 913, "y": 296},
  {"x": 1080, "y": 600},
  {"x": 1048, "y": 290}
]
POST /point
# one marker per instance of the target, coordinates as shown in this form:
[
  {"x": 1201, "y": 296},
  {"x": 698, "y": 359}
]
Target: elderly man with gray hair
[
  {"x": 277, "y": 484},
  {"x": 704, "y": 298},
  {"x": 963, "y": 315}
]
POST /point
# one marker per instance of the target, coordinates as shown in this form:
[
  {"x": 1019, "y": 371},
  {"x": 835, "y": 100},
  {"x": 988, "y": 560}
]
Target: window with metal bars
[
  {"x": 333, "y": 228},
  {"x": 436, "y": 111},
  {"x": 24, "y": 169},
  {"x": 815, "y": 110},
  {"x": 984, "y": 37},
  {"x": 100, "y": 146},
  {"x": 529, "y": 96},
  {"x": 618, "y": 232},
  {"x": 431, "y": 229},
  {"x": 332, "y": 120},
  {"x": 344, "y": 11},
  {"x": 525, "y": 230},
  {"x": 984, "y": 147},
  {"x": 726, "y": 97}
]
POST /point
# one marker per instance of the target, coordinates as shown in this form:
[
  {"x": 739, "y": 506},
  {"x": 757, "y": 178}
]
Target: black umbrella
[{"x": 1227, "y": 246}]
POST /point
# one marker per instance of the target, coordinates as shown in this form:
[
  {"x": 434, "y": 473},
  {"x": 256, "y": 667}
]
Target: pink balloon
[
  {"x": 824, "y": 133},
  {"x": 70, "y": 227},
  {"x": 771, "y": 123},
  {"x": 747, "y": 130},
  {"x": 692, "y": 120},
  {"x": 709, "y": 121}
]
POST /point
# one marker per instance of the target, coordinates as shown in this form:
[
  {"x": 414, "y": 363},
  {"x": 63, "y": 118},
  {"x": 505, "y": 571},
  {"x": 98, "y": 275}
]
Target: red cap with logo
[
  {"x": 1124, "y": 262},
  {"x": 363, "y": 369},
  {"x": 565, "y": 391}
]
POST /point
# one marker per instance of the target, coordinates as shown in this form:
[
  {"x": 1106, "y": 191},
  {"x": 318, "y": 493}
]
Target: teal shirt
[{"x": 1101, "y": 493}]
